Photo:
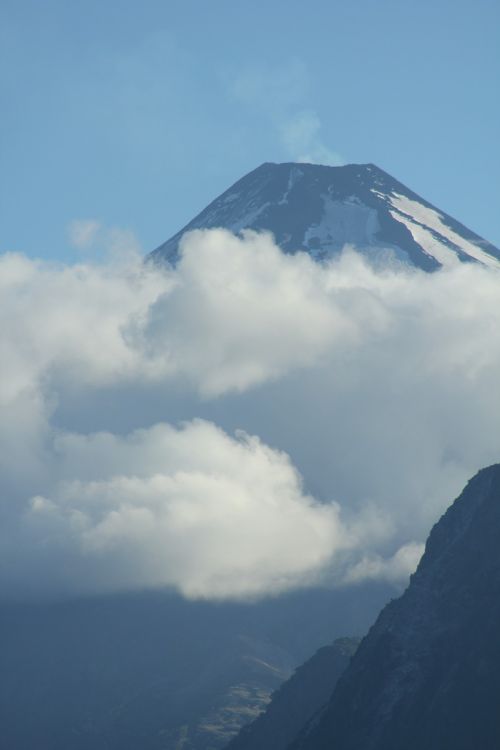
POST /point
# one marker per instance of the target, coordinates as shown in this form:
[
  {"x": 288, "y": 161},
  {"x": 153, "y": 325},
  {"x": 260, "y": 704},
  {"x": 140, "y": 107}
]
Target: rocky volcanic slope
[
  {"x": 320, "y": 209},
  {"x": 298, "y": 699},
  {"x": 428, "y": 673}
]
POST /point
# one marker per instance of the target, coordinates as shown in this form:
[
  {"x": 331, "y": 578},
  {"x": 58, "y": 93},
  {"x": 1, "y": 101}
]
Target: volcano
[{"x": 321, "y": 209}]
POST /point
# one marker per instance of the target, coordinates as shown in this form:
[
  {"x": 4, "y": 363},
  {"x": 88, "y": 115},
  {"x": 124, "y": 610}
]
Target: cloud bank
[{"x": 242, "y": 424}]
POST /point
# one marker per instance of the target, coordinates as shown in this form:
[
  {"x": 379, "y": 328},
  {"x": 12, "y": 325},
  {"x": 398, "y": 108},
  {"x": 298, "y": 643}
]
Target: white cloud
[
  {"x": 191, "y": 508},
  {"x": 244, "y": 313},
  {"x": 380, "y": 386},
  {"x": 395, "y": 568}
]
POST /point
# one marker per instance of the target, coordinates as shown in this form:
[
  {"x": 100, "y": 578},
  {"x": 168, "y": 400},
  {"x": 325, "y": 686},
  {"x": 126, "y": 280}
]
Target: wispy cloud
[
  {"x": 301, "y": 135},
  {"x": 279, "y": 94},
  {"x": 83, "y": 233},
  {"x": 95, "y": 239}
]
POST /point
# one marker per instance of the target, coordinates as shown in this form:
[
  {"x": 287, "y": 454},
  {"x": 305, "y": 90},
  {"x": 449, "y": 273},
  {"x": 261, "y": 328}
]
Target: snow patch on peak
[
  {"x": 348, "y": 221},
  {"x": 296, "y": 174},
  {"x": 429, "y": 230},
  {"x": 231, "y": 197},
  {"x": 246, "y": 221},
  {"x": 430, "y": 244}
]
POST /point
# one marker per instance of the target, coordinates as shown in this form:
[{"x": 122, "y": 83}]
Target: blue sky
[{"x": 138, "y": 114}]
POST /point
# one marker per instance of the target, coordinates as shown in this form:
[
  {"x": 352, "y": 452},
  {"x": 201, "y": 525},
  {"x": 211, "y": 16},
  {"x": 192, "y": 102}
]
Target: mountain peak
[
  {"x": 477, "y": 506},
  {"x": 320, "y": 209}
]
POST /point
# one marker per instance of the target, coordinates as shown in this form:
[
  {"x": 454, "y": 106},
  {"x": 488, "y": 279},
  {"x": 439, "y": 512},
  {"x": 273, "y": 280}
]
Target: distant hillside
[
  {"x": 153, "y": 671},
  {"x": 298, "y": 699}
]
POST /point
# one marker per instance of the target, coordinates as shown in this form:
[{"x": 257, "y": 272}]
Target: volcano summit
[{"x": 321, "y": 209}]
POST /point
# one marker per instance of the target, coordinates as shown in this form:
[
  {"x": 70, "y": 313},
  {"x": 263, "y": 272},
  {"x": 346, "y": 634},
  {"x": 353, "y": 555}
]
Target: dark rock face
[
  {"x": 298, "y": 699},
  {"x": 428, "y": 673},
  {"x": 320, "y": 209}
]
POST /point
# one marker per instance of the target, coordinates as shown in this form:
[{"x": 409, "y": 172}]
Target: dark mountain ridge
[{"x": 427, "y": 675}]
